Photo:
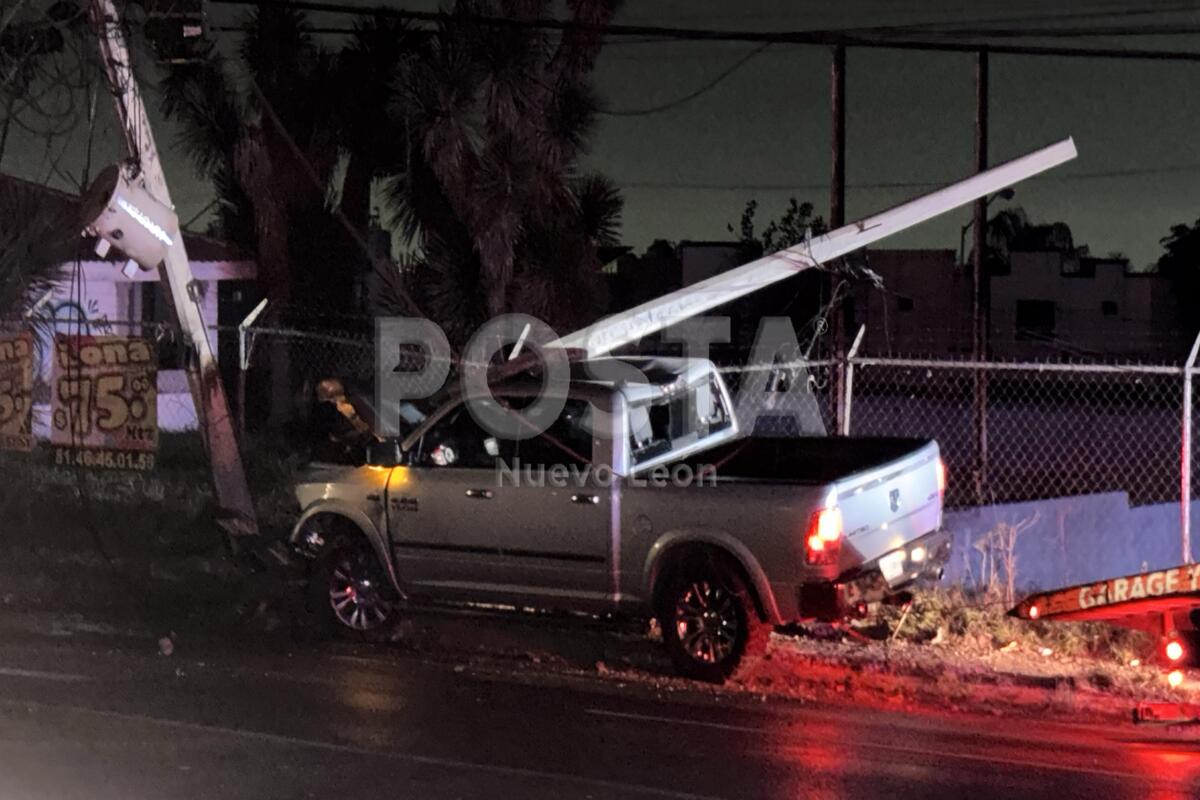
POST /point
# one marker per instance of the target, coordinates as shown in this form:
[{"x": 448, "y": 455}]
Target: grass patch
[
  {"x": 980, "y": 622},
  {"x": 170, "y": 510}
]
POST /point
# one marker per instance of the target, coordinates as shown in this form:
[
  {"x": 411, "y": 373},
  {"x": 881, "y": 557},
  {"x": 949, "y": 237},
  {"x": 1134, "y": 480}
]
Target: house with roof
[
  {"x": 92, "y": 295},
  {"x": 1043, "y": 304}
]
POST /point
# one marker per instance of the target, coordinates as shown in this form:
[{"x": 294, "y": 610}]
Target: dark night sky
[
  {"x": 910, "y": 118},
  {"x": 764, "y": 132}
]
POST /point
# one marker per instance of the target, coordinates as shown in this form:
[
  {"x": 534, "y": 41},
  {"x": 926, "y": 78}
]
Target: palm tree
[
  {"x": 274, "y": 145},
  {"x": 36, "y": 238},
  {"x": 481, "y": 149},
  {"x": 496, "y": 120},
  {"x": 373, "y": 142},
  {"x": 273, "y": 148}
]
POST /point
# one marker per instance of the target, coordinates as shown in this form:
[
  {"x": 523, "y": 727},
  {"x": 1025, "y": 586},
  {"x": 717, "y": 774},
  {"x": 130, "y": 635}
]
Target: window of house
[
  {"x": 904, "y": 304},
  {"x": 1075, "y": 267},
  {"x": 1108, "y": 308},
  {"x": 1035, "y": 319}
]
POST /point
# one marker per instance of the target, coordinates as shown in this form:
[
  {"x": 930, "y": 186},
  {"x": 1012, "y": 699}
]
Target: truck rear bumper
[{"x": 918, "y": 563}]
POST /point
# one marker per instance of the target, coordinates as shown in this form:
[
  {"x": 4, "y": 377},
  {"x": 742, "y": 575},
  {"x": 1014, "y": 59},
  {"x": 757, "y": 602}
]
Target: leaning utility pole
[
  {"x": 626, "y": 327},
  {"x": 204, "y": 379}
]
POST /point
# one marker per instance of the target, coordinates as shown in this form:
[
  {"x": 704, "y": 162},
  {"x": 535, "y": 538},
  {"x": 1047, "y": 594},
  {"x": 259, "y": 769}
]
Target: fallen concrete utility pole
[
  {"x": 653, "y": 316},
  {"x": 212, "y": 408}
]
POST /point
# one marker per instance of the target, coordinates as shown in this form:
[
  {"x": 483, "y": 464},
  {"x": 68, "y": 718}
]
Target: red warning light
[{"x": 1173, "y": 650}]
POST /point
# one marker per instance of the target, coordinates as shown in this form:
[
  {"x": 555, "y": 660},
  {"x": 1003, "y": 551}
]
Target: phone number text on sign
[
  {"x": 104, "y": 398},
  {"x": 103, "y": 459}
]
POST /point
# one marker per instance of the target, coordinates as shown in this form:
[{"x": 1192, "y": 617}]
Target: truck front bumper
[{"x": 918, "y": 563}]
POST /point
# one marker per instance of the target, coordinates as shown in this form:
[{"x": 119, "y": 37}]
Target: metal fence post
[
  {"x": 244, "y": 348},
  {"x": 848, "y": 394},
  {"x": 1185, "y": 457}
]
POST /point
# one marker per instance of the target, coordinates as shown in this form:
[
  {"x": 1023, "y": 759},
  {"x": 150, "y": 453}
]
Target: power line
[
  {"x": 318, "y": 29},
  {"x": 826, "y": 38},
  {"x": 982, "y": 25},
  {"x": 1123, "y": 31},
  {"x": 888, "y": 185},
  {"x": 708, "y": 86},
  {"x": 1066, "y": 33},
  {"x": 1117, "y": 11}
]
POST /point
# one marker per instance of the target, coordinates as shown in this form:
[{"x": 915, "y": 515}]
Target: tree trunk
[{"x": 356, "y": 194}]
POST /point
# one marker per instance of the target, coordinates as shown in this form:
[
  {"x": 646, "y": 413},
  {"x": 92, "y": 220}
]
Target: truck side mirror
[{"x": 384, "y": 453}]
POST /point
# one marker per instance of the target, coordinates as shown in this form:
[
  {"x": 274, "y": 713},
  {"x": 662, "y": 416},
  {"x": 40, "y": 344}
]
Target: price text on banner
[
  {"x": 16, "y": 392},
  {"x": 104, "y": 402}
]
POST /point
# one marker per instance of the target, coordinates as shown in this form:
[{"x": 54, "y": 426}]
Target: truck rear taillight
[
  {"x": 941, "y": 477},
  {"x": 823, "y": 540}
]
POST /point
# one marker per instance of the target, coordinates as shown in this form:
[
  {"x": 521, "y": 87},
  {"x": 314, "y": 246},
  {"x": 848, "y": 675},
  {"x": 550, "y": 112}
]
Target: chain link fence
[
  {"x": 277, "y": 381},
  {"x": 1011, "y": 432}
]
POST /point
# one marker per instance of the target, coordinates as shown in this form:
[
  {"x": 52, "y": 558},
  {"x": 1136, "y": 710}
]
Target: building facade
[{"x": 1046, "y": 304}]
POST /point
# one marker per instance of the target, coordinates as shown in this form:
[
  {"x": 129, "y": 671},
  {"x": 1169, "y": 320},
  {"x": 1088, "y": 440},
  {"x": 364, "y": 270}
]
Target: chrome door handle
[
  {"x": 585, "y": 499},
  {"x": 480, "y": 494}
]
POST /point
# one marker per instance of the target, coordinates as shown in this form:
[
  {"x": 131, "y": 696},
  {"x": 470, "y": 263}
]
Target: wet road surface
[{"x": 99, "y": 714}]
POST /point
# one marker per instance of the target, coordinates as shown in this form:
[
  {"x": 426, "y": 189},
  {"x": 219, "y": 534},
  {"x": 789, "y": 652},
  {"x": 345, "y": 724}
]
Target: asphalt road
[{"x": 99, "y": 714}]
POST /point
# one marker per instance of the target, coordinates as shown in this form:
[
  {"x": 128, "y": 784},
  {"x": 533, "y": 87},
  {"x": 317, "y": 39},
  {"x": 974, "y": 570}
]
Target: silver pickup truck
[{"x": 642, "y": 498}]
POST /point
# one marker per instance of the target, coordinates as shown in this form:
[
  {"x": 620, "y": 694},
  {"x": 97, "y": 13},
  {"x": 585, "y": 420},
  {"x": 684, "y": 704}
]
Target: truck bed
[{"x": 805, "y": 460}]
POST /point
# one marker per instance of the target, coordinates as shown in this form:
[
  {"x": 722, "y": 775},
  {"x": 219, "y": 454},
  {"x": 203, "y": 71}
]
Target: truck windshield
[{"x": 676, "y": 420}]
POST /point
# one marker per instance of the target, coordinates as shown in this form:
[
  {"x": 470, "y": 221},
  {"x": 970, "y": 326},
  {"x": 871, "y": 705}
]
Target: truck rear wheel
[{"x": 709, "y": 621}]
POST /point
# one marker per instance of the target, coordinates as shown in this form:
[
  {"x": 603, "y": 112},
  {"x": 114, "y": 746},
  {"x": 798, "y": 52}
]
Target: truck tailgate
[{"x": 887, "y": 506}]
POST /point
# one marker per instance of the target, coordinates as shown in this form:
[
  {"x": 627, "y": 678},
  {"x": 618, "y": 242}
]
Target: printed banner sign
[
  {"x": 1177, "y": 582},
  {"x": 16, "y": 392},
  {"x": 104, "y": 402}
]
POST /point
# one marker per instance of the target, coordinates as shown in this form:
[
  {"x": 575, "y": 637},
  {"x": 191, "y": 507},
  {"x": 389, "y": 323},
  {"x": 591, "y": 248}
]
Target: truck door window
[
  {"x": 457, "y": 440},
  {"x": 568, "y": 440}
]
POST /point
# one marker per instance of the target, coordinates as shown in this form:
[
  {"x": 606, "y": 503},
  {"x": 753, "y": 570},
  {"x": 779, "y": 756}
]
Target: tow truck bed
[{"x": 1136, "y": 601}]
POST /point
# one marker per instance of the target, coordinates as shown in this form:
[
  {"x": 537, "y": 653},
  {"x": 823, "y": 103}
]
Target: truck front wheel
[
  {"x": 349, "y": 582},
  {"x": 708, "y": 618}
]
